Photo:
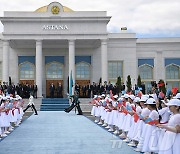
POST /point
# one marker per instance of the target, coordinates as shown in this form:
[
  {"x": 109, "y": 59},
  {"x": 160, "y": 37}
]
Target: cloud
[{"x": 148, "y": 17}]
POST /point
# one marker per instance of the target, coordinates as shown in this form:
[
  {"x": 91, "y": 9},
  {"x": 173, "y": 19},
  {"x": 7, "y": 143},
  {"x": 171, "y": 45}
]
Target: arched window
[
  {"x": 146, "y": 72},
  {"x": 26, "y": 70},
  {"x": 54, "y": 70},
  {"x": 82, "y": 70},
  {"x": 173, "y": 76},
  {"x": 172, "y": 72}
]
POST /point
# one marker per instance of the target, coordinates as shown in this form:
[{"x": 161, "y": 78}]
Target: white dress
[
  {"x": 134, "y": 125},
  {"x": 141, "y": 131},
  {"x": 150, "y": 129},
  {"x": 171, "y": 141}
]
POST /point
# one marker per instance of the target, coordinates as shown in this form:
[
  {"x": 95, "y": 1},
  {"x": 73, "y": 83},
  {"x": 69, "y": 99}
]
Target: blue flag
[{"x": 70, "y": 84}]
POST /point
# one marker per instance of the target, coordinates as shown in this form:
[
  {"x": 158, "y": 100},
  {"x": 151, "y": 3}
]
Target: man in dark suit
[
  {"x": 59, "y": 90},
  {"x": 52, "y": 89},
  {"x": 75, "y": 103}
]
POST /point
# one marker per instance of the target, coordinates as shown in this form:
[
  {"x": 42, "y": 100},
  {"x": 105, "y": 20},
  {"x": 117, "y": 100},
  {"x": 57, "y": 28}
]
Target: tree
[
  {"x": 128, "y": 83},
  {"x": 139, "y": 81},
  {"x": 118, "y": 83}
]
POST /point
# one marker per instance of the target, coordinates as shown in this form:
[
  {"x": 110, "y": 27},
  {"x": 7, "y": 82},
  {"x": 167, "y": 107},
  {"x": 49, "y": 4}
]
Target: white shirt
[
  {"x": 31, "y": 101},
  {"x": 145, "y": 112},
  {"x": 154, "y": 115},
  {"x": 174, "y": 120},
  {"x": 165, "y": 114}
]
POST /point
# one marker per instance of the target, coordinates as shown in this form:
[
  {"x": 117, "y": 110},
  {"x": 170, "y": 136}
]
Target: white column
[
  {"x": 72, "y": 63},
  {"x": 39, "y": 67},
  {"x": 159, "y": 68},
  {"x": 5, "y": 74},
  {"x": 104, "y": 63}
]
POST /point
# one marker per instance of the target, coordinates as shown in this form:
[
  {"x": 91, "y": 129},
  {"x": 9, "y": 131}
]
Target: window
[
  {"x": 146, "y": 72},
  {"x": 115, "y": 70},
  {"x": 172, "y": 72},
  {"x": 54, "y": 71},
  {"x": 82, "y": 70},
  {"x": 173, "y": 76},
  {"x": 26, "y": 70}
]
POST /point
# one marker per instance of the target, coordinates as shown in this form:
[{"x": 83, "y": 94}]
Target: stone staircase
[{"x": 54, "y": 104}]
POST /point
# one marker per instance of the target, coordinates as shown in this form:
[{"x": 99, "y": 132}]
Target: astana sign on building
[{"x": 55, "y": 27}]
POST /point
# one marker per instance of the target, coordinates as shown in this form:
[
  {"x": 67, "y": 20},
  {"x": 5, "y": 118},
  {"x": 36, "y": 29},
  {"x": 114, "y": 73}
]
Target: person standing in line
[
  {"x": 59, "y": 90},
  {"x": 52, "y": 89},
  {"x": 35, "y": 91}
]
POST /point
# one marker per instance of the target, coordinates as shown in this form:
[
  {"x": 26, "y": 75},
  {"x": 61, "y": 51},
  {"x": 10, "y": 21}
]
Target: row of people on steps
[
  {"x": 23, "y": 90},
  {"x": 147, "y": 123}
]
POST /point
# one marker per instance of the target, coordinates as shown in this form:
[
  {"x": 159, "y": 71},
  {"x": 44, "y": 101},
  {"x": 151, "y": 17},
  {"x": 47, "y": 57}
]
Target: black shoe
[
  {"x": 36, "y": 114},
  {"x": 79, "y": 114}
]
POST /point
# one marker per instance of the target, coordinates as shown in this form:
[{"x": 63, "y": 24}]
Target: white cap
[
  {"x": 8, "y": 97},
  {"x": 177, "y": 96},
  {"x": 125, "y": 96},
  {"x": 132, "y": 97},
  {"x": 4, "y": 98},
  {"x": 120, "y": 99},
  {"x": 103, "y": 95},
  {"x": 115, "y": 96},
  {"x": 175, "y": 102},
  {"x": 150, "y": 101},
  {"x": 137, "y": 99},
  {"x": 143, "y": 99}
]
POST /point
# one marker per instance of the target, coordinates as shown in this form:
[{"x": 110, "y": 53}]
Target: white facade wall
[{"x": 88, "y": 29}]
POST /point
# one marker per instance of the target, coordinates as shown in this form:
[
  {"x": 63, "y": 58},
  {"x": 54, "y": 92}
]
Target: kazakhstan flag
[{"x": 70, "y": 84}]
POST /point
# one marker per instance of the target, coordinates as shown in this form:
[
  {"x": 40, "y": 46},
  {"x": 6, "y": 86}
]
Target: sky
[{"x": 146, "y": 18}]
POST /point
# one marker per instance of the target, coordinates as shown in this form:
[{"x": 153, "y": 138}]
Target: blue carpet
[{"x": 61, "y": 133}]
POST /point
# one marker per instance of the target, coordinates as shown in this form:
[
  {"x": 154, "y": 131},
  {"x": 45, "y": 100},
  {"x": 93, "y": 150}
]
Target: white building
[{"x": 48, "y": 44}]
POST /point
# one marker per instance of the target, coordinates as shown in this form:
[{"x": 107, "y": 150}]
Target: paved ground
[{"x": 61, "y": 133}]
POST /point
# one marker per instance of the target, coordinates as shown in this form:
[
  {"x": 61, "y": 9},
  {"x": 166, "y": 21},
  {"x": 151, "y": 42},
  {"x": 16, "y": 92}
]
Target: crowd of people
[
  {"x": 11, "y": 113},
  {"x": 150, "y": 123},
  {"x": 23, "y": 90},
  {"x": 97, "y": 88}
]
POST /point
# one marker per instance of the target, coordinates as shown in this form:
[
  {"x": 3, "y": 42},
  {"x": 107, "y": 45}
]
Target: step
[
  {"x": 55, "y": 99},
  {"x": 55, "y": 103},
  {"x": 52, "y": 109}
]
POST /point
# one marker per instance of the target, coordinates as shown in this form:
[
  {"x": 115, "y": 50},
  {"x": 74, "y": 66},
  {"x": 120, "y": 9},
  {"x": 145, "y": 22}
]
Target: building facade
[{"x": 54, "y": 43}]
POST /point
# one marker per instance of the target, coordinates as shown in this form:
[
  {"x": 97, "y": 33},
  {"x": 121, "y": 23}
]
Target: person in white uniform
[
  {"x": 31, "y": 104},
  {"x": 171, "y": 140}
]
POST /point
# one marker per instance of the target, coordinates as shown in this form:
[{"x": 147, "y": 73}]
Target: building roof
[{"x": 45, "y": 9}]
